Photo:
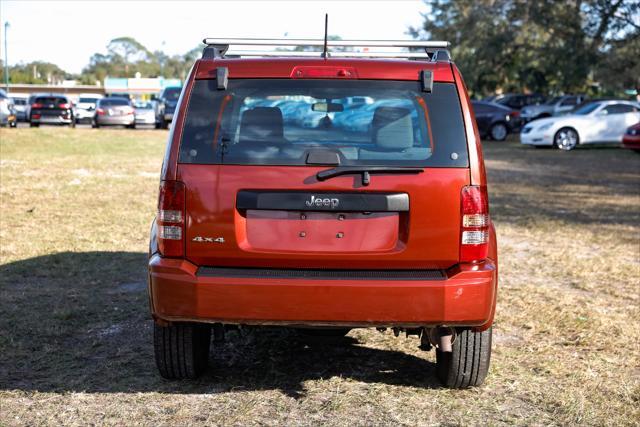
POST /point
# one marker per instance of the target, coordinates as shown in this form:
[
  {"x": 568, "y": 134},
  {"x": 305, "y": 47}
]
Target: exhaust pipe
[{"x": 442, "y": 337}]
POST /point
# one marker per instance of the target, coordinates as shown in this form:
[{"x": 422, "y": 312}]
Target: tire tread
[
  {"x": 181, "y": 349},
  {"x": 468, "y": 363}
]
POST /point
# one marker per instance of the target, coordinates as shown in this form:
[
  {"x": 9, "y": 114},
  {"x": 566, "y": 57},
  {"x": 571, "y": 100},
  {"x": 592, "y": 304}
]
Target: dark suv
[
  {"x": 517, "y": 101},
  {"x": 52, "y": 109},
  {"x": 166, "y": 106},
  {"x": 266, "y": 217}
]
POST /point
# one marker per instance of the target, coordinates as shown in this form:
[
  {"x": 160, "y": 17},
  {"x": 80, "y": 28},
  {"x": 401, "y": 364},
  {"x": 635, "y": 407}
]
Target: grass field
[{"x": 75, "y": 333}]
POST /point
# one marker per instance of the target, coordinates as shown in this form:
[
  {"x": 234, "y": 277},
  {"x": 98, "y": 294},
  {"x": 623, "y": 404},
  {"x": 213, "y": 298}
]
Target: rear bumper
[
  {"x": 465, "y": 296},
  {"x": 631, "y": 141},
  {"x": 54, "y": 120},
  {"x": 145, "y": 120},
  {"x": 116, "y": 120}
]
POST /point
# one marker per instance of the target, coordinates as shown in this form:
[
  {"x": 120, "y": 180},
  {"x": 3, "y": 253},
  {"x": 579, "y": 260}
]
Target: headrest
[
  {"x": 261, "y": 124},
  {"x": 392, "y": 128}
]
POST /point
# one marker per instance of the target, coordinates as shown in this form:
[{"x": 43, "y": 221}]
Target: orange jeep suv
[{"x": 324, "y": 191}]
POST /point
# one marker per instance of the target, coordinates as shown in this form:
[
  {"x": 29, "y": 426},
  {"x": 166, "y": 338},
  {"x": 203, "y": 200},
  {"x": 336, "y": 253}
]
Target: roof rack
[{"x": 220, "y": 48}]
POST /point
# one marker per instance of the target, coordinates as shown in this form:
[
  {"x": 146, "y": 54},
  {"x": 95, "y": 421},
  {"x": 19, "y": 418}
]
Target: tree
[
  {"x": 545, "y": 46},
  {"x": 126, "y": 56},
  {"x": 36, "y": 72}
]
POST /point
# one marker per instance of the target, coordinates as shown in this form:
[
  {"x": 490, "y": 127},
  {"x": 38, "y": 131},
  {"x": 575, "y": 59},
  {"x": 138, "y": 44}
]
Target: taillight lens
[
  {"x": 171, "y": 218},
  {"x": 474, "y": 239},
  {"x": 100, "y": 112},
  {"x": 36, "y": 105},
  {"x": 64, "y": 106},
  {"x": 323, "y": 72}
]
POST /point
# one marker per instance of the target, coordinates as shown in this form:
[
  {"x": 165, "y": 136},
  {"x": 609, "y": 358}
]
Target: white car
[
  {"x": 144, "y": 113},
  {"x": 85, "y": 108},
  {"x": 592, "y": 123}
]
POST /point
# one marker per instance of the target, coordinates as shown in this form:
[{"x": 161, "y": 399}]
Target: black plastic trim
[
  {"x": 320, "y": 201},
  {"x": 321, "y": 274},
  {"x": 426, "y": 77}
]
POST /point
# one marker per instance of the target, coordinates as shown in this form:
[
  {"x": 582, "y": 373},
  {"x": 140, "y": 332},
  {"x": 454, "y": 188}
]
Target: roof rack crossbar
[
  {"x": 425, "y": 44},
  {"x": 241, "y": 53}
]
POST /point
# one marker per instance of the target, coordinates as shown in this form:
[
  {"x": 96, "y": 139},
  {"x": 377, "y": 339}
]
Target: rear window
[
  {"x": 144, "y": 105},
  {"x": 51, "y": 100},
  {"x": 114, "y": 102},
  {"x": 172, "y": 94},
  {"x": 88, "y": 100},
  {"x": 19, "y": 101},
  {"x": 280, "y": 121}
]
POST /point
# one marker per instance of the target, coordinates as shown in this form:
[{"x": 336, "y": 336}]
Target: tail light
[
  {"x": 36, "y": 105},
  {"x": 64, "y": 106},
  {"x": 512, "y": 116},
  {"x": 129, "y": 111},
  {"x": 171, "y": 218},
  {"x": 474, "y": 239},
  {"x": 35, "y": 116},
  {"x": 100, "y": 112},
  {"x": 323, "y": 72}
]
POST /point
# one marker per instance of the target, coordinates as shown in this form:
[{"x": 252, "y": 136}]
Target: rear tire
[
  {"x": 34, "y": 125},
  {"x": 181, "y": 349},
  {"x": 468, "y": 362},
  {"x": 499, "y": 131}
]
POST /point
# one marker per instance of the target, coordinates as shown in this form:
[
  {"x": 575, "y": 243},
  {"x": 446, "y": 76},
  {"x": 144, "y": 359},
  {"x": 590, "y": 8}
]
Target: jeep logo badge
[{"x": 322, "y": 202}]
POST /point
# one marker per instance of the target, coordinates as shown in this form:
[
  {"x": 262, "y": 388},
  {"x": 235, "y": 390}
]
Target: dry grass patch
[{"x": 75, "y": 343}]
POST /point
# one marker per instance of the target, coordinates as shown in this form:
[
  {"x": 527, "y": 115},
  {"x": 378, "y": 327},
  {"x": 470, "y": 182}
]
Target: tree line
[
  {"x": 124, "y": 57},
  {"x": 547, "y": 46}
]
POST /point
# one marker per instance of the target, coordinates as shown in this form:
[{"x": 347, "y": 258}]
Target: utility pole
[{"x": 6, "y": 61}]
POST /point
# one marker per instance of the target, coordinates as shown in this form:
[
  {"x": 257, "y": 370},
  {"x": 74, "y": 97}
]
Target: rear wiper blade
[{"x": 366, "y": 171}]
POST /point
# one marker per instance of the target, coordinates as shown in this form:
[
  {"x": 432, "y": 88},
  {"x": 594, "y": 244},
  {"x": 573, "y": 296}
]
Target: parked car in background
[
  {"x": 553, "y": 107},
  {"x": 7, "y": 112},
  {"x": 631, "y": 138},
  {"x": 166, "y": 106},
  {"x": 126, "y": 96},
  {"x": 114, "y": 111},
  {"x": 518, "y": 101},
  {"x": 20, "y": 103},
  {"x": 495, "y": 121},
  {"x": 594, "y": 122},
  {"x": 30, "y": 101},
  {"x": 53, "y": 109},
  {"x": 85, "y": 108},
  {"x": 144, "y": 113}
]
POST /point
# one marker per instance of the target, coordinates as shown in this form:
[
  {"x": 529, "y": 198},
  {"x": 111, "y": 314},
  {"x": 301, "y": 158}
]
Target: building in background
[{"x": 137, "y": 88}]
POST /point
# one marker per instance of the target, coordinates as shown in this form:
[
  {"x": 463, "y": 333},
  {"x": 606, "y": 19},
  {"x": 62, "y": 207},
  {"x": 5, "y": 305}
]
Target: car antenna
[{"x": 325, "y": 54}]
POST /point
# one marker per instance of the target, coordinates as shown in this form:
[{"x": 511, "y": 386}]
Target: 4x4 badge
[{"x": 208, "y": 239}]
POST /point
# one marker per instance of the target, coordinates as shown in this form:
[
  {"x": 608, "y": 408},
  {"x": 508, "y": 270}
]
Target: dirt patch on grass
[{"x": 75, "y": 334}]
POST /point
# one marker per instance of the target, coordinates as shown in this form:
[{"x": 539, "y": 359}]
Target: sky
[{"x": 67, "y": 33}]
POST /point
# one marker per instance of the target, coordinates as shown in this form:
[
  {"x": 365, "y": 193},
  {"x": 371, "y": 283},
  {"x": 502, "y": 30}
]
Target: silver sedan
[{"x": 114, "y": 112}]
